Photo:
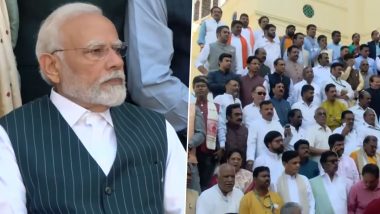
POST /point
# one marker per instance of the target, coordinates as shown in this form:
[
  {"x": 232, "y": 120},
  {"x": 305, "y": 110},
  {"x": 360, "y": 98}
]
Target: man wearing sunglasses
[{"x": 81, "y": 149}]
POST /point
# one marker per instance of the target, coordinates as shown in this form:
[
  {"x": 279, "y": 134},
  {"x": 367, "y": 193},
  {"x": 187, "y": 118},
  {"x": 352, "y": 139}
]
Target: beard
[
  {"x": 272, "y": 35},
  {"x": 291, "y": 34},
  {"x": 98, "y": 92},
  {"x": 279, "y": 150}
]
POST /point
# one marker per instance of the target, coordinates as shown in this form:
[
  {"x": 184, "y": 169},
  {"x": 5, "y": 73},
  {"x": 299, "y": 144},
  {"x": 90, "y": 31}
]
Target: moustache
[{"x": 118, "y": 74}]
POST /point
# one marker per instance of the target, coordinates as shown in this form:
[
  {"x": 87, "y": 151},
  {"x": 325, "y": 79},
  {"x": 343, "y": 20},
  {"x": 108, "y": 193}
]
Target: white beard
[{"x": 107, "y": 95}]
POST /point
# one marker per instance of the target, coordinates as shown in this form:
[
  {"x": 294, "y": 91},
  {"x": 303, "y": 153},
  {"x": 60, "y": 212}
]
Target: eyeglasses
[
  {"x": 261, "y": 93},
  {"x": 99, "y": 52},
  {"x": 321, "y": 113}
]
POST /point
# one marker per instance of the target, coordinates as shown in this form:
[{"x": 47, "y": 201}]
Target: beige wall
[{"x": 347, "y": 16}]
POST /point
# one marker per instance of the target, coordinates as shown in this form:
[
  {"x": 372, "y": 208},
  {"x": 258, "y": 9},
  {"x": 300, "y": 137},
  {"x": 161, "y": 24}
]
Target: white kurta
[
  {"x": 321, "y": 74},
  {"x": 235, "y": 42},
  {"x": 294, "y": 193},
  {"x": 273, "y": 51},
  {"x": 246, "y": 33},
  {"x": 296, "y": 94},
  {"x": 256, "y": 133},
  {"x": 273, "y": 162},
  {"x": 308, "y": 112},
  {"x": 212, "y": 200},
  {"x": 251, "y": 112},
  {"x": 337, "y": 192},
  {"x": 9, "y": 78},
  {"x": 351, "y": 142},
  {"x": 347, "y": 169}
]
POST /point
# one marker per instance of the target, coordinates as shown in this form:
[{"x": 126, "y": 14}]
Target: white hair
[{"x": 49, "y": 38}]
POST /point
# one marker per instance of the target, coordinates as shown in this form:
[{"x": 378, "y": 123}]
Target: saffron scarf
[{"x": 244, "y": 49}]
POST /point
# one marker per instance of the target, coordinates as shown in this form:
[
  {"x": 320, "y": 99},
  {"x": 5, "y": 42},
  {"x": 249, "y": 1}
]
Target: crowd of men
[{"x": 298, "y": 114}]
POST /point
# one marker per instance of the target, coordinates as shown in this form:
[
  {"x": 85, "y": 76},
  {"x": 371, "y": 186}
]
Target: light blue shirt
[
  {"x": 372, "y": 69},
  {"x": 312, "y": 46},
  {"x": 150, "y": 50},
  {"x": 336, "y": 50}
]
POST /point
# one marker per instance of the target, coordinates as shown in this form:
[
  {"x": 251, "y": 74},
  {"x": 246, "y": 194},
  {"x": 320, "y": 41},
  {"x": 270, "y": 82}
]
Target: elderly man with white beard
[{"x": 82, "y": 149}]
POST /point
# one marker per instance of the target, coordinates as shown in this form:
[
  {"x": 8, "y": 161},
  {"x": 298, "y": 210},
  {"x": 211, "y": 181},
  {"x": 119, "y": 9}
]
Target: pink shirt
[{"x": 360, "y": 197}]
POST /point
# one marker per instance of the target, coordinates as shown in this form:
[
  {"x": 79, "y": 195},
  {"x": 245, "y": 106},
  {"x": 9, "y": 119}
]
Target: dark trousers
[{"x": 206, "y": 167}]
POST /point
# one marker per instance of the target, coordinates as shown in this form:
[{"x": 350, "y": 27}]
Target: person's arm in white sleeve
[
  {"x": 175, "y": 175},
  {"x": 12, "y": 189},
  {"x": 222, "y": 129},
  {"x": 310, "y": 197},
  {"x": 150, "y": 80},
  {"x": 251, "y": 144},
  {"x": 201, "y": 61}
]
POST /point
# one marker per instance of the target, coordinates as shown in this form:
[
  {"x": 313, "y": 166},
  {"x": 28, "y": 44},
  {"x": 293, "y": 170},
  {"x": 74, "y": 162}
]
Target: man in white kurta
[
  {"x": 369, "y": 127},
  {"x": 307, "y": 106},
  {"x": 343, "y": 89},
  {"x": 247, "y": 32},
  {"x": 318, "y": 134},
  {"x": 360, "y": 107},
  {"x": 251, "y": 112},
  {"x": 330, "y": 190},
  {"x": 271, "y": 157},
  {"x": 222, "y": 197},
  {"x": 322, "y": 70},
  {"x": 207, "y": 30},
  {"x": 270, "y": 45},
  {"x": 243, "y": 49},
  {"x": 346, "y": 167},
  {"x": 294, "y": 187},
  {"x": 349, "y": 132},
  {"x": 308, "y": 79},
  {"x": 258, "y": 130}
]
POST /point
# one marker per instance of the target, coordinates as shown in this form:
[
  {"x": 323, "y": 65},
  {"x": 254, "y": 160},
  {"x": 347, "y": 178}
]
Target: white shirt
[
  {"x": 15, "y": 193},
  {"x": 366, "y": 129},
  {"x": 319, "y": 138},
  {"x": 296, "y": 94},
  {"x": 296, "y": 135},
  {"x": 224, "y": 100},
  {"x": 211, "y": 26},
  {"x": 347, "y": 168},
  {"x": 213, "y": 200},
  {"x": 340, "y": 86},
  {"x": 246, "y": 33},
  {"x": 256, "y": 133},
  {"x": 308, "y": 112},
  {"x": 337, "y": 192},
  {"x": 235, "y": 42},
  {"x": 259, "y": 35},
  {"x": 150, "y": 80},
  {"x": 351, "y": 142},
  {"x": 321, "y": 74},
  {"x": 251, "y": 112},
  {"x": 273, "y": 162},
  {"x": 358, "y": 112},
  {"x": 273, "y": 51},
  {"x": 294, "y": 194}
]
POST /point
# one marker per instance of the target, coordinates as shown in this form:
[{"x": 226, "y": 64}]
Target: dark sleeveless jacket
[{"x": 60, "y": 176}]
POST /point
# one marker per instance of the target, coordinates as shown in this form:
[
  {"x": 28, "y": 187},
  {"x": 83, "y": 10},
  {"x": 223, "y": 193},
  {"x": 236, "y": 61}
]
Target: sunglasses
[{"x": 261, "y": 93}]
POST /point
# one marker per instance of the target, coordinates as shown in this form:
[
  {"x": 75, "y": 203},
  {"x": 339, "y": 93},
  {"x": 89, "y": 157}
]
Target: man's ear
[{"x": 50, "y": 67}]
